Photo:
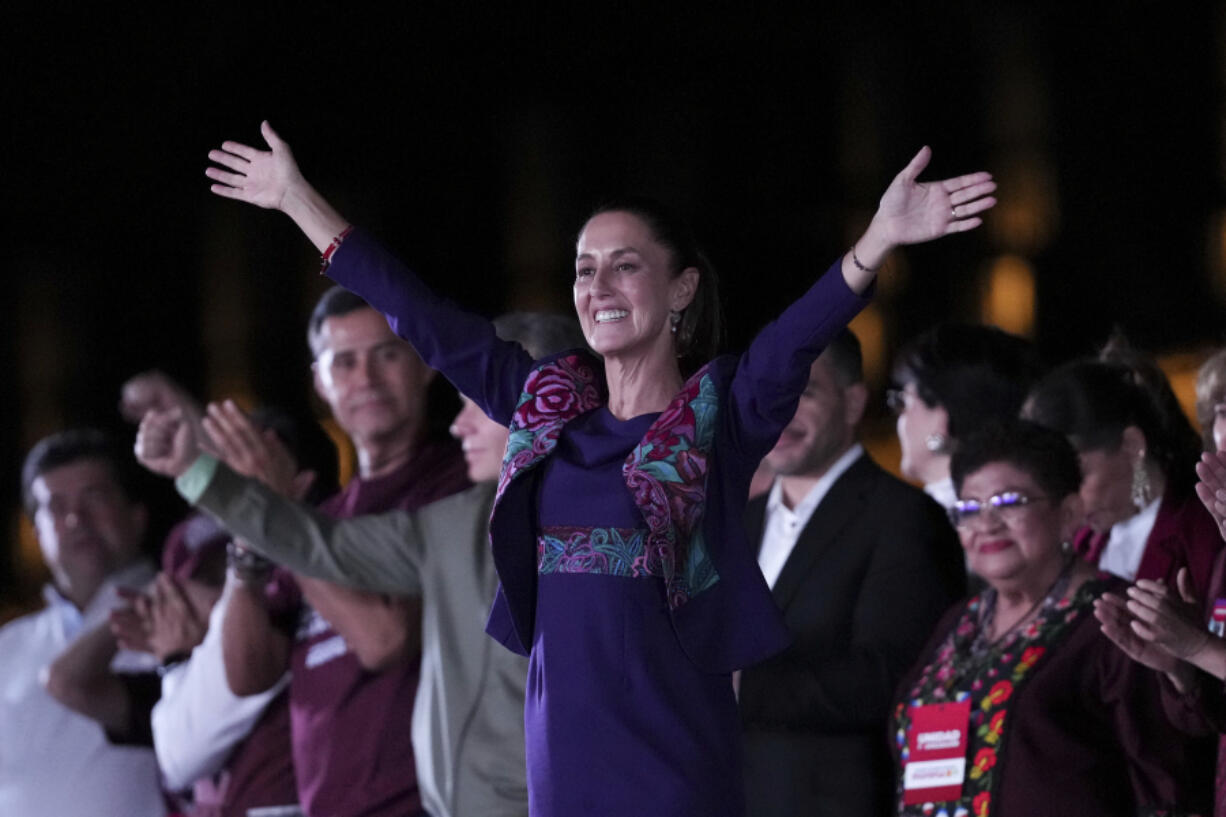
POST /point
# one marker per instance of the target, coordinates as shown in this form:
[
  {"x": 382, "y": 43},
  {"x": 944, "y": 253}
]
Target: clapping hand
[
  {"x": 1156, "y": 627},
  {"x": 1212, "y": 486},
  {"x": 1116, "y": 623},
  {"x": 253, "y": 452},
  {"x": 1162, "y": 617},
  {"x": 163, "y": 619}
]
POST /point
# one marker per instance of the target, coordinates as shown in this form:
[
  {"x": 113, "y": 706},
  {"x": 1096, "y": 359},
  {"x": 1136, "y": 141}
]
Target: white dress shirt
[
  {"x": 784, "y": 524},
  {"x": 942, "y": 492},
  {"x": 1126, "y": 544},
  {"x": 198, "y": 721},
  {"x": 52, "y": 760}
]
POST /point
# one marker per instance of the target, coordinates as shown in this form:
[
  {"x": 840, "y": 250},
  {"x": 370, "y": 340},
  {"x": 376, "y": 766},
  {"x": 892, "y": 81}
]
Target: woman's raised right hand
[{"x": 259, "y": 177}]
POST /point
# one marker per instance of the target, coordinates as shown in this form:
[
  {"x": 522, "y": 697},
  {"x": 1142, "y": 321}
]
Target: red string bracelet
[{"x": 325, "y": 260}]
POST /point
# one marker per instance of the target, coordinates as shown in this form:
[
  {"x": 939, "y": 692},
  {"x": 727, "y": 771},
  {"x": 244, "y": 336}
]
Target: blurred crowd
[{"x": 1037, "y": 625}]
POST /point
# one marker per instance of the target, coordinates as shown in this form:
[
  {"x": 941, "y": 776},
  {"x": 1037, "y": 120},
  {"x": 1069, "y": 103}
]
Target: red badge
[
  {"x": 1217, "y": 622},
  {"x": 937, "y": 741}
]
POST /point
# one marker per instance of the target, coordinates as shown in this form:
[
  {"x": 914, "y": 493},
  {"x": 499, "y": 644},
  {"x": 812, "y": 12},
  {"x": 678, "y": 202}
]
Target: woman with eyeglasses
[
  {"x": 1138, "y": 453},
  {"x": 1020, "y": 705},
  {"x": 948, "y": 382}
]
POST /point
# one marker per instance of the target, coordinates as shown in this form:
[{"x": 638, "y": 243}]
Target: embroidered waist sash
[{"x": 607, "y": 551}]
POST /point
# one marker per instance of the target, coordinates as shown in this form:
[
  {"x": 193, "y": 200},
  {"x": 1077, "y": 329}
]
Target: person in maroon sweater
[
  {"x": 1020, "y": 705},
  {"x": 1162, "y": 626},
  {"x": 354, "y": 668},
  {"x": 1137, "y": 451}
]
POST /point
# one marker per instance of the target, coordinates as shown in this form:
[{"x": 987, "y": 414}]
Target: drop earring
[{"x": 1142, "y": 490}]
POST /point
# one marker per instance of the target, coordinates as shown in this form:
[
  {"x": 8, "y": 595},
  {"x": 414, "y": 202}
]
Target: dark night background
[{"x": 474, "y": 141}]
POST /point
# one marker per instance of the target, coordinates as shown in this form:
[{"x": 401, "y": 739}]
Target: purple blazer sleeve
[
  {"x": 772, "y": 373},
  {"x": 458, "y": 343}
]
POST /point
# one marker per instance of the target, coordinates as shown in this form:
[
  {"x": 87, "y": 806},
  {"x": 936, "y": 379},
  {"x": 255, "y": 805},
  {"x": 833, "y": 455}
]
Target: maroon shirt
[
  {"x": 352, "y": 749},
  {"x": 1184, "y": 535},
  {"x": 257, "y": 774}
]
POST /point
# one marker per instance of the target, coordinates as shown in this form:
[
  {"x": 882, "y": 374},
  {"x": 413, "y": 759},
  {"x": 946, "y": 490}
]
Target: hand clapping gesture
[
  {"x": 254, "y": 452},
  {"x": 1212, "y": 486},
  {"x": 163, "y": 620},
  {"x": 1157, "y": 627}
]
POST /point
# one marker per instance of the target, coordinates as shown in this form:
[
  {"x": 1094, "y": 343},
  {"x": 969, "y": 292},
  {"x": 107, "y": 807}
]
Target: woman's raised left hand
[{"x": 912, "y": 211}]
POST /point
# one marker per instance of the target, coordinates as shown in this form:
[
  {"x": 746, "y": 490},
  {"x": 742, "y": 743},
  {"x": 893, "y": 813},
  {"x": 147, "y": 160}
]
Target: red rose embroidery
[
  {"x": 995, "y": 727},
  {"x": 984, "y": 759},
  {"x": 553, "y": 396},
  {"x": 1030, "y": 656},
  {"x": 998, "y": 694}
]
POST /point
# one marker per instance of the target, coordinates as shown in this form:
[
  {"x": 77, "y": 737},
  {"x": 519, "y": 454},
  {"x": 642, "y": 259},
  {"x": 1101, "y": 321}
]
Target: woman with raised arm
[{"x": 626, "y": 576}]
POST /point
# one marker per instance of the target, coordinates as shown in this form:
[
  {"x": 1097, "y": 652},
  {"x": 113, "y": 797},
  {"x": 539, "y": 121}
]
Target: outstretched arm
[
  {"x": 773, "y": 371},
  {"x": 457, "y": 343},
  {"x": 914, "y": 212},
  {"x": 271, "y": 179},
  {"x": 380, "y": 553}
]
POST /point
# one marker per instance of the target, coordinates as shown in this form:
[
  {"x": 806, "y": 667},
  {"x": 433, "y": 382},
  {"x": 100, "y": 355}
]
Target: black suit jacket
[{"x": 872, "y": 572}]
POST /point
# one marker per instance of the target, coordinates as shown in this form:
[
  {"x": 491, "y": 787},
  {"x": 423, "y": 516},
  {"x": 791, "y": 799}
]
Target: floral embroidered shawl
[{"x": 665, "y": 473}]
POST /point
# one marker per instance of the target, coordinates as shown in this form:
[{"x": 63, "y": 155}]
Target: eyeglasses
[{"x": 1007, "y": 506}]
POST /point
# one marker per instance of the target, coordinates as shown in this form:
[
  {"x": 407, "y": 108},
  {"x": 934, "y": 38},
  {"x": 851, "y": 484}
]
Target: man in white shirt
[
  {"x": 862, "y": 565},
  {"x": 78, "y": 491}
]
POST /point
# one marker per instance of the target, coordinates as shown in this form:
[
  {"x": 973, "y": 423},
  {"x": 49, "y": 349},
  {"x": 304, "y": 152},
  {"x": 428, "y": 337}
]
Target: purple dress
[
  {"x": 670, "y": 743},
  {"x": 625, "y": 571}
]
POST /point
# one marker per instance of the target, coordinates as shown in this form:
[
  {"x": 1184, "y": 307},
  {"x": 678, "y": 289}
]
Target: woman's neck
[
  {"x": 1017, "y": 598},
  {"x": 642, "y": 385}
]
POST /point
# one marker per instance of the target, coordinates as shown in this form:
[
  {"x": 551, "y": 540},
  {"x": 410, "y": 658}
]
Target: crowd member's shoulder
[{"x": 23, "y": 627}]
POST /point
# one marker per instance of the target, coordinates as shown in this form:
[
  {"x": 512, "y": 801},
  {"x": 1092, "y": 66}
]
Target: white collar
[
  {"x": 943, "y": 492},
  {"x": 1126, "y": 543},
  {"x": 72, "y": 620}
]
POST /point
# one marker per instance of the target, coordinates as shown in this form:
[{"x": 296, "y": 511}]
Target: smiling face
[
  {"x": 482, "y": 440},
  {"x": 823, "y": 427},
  {"x": 87, "y": 526},
  {"x": 625, "y": 288},
  {"x": 372, "y": 380},
  {"x": 1024, "y": 540}
]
